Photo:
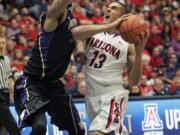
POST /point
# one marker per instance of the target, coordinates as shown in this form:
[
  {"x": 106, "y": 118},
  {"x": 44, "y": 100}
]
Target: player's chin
[{"x": 107, "y": 20}]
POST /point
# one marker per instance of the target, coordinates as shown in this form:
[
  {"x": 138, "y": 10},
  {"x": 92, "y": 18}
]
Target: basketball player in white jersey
[{"x": 107, "y": 54}]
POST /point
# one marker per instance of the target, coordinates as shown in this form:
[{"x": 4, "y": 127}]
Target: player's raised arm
[
  {"x": 135, "y": 59},
  {"x": 87, "y": 31},
  {"x": 56, "y": 12}
]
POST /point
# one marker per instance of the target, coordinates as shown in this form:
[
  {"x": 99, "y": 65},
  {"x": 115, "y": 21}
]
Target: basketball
[{"x": 132, "y": 27}]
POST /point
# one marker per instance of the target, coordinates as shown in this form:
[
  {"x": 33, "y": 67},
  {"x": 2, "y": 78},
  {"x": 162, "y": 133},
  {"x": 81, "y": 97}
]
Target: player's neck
[
  {"x": 113, "y": 32},
  {"x": 2, "y": 52}
]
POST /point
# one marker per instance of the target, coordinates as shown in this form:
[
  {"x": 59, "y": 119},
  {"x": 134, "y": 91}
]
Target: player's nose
[{"x": 108, "y": 10}]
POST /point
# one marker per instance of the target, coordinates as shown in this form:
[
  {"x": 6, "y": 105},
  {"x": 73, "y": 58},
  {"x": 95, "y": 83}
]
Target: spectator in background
[
  {"x": 135, "y": 91},
  {"x": 24, "y": 30},
  {"x": 154, "y": 75},
  {"x": 177, "y": 74},
  {"x": 167, "y": 54},
  {"x": 33, "y": 31},
  {"x": 160, "y": 88},
  {"x": 36, "y": 7},
  {"x": 25, "y": 59},
  {"x": 13, "y": 12},
  {"x": 154, "y": 39},
  {"x": 20, "y": 42},
  {"x": 82, "y": 88},
  {"x": 80, "y": 77},
  {"x": 173, "y": 66},
  {"x": 84, "y": 20},
  {"x": 125, "y": 82},
  {"x": 90, "y": 10},
  {"x": 156, "y": 59},
  {"x": 13, "y": 29},
  {"x": 29, "y": 47},
  {"x": 70, "y": 79},
  {"x": 157, "y": 22},
  {"x": 177, "y": 85},
  {"x": 17, "y": 62},
  {"x": 97, "y": 18},
  {"x": 162, "y": 68},
  {"x": 3, "y": 16},
  {"x": 163, "y": 77},
  {"x": 11, "y": 43},
  {"x": 166, "y": 34},
  {"x": 147, "y": 68},
  {"x": 145, "y": 89},
  {"x": 3, "y": 30},
  {"x": 25, "y": 17},
  {"x": 76, "y": 12},
  {"x": 175, "y": 43}
]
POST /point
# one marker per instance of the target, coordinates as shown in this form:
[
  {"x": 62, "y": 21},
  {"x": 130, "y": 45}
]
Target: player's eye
[
  {"x": 106, "y": 7},
  {"x": 113, "y": 7}
]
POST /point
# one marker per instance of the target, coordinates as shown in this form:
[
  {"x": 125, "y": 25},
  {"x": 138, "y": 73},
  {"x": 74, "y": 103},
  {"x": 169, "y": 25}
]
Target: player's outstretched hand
[{"x": 114, "y": 25}]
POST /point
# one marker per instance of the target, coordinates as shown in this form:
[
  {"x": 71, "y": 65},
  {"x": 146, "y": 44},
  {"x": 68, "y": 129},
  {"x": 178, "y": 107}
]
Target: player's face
[
  {"x": 2, "y": 43},
  {"x": 113, "y": 11}
]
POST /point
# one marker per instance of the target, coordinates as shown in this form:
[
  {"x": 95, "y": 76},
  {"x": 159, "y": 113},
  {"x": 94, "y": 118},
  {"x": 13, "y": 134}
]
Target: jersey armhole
[
  {"x": 88, "y": 40},
  {"x": 42, "y": 21}
]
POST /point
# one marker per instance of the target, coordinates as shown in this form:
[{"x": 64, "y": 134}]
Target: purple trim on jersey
[
  {"x": 20, "y": 89},
  {"x": 21, "y": 123},
  {"x": 45, "y": 39},
  {"x": 44, "y": 43}
]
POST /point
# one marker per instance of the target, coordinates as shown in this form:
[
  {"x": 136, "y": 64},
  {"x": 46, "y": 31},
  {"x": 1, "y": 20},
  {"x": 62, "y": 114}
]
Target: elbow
[{"x": 133, "y": 82}]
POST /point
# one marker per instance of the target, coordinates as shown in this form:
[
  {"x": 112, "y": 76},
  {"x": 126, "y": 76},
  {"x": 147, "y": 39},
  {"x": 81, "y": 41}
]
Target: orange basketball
[{"x": 132, "y": 27}]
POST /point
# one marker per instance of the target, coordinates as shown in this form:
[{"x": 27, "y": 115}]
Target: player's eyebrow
[{"x": 113, "y": 7}]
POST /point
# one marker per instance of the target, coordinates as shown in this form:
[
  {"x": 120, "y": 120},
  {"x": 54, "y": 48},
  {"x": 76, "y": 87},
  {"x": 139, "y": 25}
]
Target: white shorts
[{"x": 106, "y": 112}]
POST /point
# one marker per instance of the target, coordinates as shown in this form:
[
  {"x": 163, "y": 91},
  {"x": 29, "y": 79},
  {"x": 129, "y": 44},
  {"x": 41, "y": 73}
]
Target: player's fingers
[
  {"x": 142, "y": 35},
  {"x": 126, "y": 15},
  {"x": 120, "y": 20},
  {"x": 138, "y": 39},
  {"x": 147, "y": 33}
]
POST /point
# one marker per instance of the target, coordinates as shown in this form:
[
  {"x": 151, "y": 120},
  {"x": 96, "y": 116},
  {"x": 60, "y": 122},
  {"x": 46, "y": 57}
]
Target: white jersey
[{"x": 106, "y": 57}]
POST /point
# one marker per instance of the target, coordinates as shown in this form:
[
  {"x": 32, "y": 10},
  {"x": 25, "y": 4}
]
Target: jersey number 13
[{"x": 98, "y": 60}]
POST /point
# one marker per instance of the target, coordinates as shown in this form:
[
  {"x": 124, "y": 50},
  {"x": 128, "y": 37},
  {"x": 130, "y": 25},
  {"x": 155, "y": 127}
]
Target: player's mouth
[{"x": 106, "y": 16}]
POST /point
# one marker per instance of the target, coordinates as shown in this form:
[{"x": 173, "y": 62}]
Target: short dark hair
[
  {"x": 50, "y": 1},
  {"x": 125, "y": 9}
]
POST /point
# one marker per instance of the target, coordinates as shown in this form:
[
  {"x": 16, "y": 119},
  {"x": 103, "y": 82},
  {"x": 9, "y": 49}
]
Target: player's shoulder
[
  {"x": 6, "y": 58},
  {"x": 102, "y": 34}
]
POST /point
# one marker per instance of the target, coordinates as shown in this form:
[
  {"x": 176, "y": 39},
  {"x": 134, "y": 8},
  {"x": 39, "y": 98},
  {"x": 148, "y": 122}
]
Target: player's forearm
[
  {"x": 11, "y": 84},
  {"x": 136, "y": 70},
  {"x": 57, "y": 8},
  {"x": 87, "y": 31}
]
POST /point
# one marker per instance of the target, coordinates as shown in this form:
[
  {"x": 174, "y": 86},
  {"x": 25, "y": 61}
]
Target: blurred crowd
[{"x": 19, "y": 20}]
